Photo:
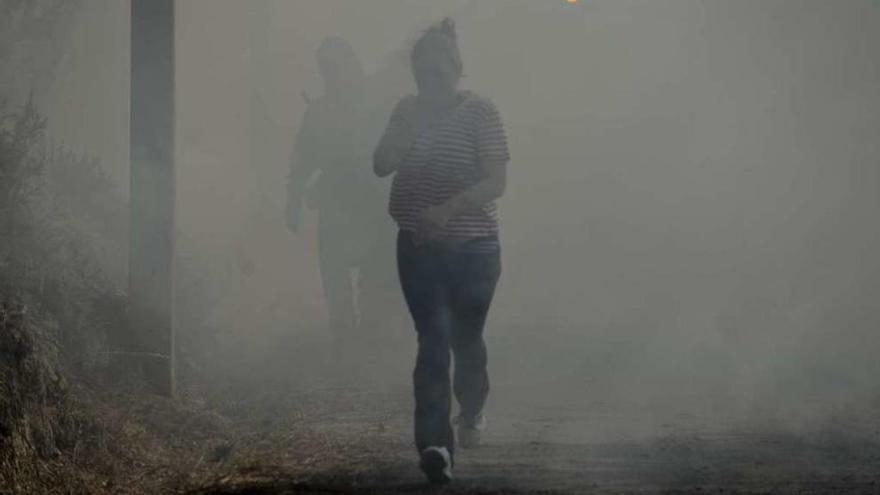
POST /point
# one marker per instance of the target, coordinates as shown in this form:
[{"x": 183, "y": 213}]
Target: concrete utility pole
[{"x": 151, "y": 255}]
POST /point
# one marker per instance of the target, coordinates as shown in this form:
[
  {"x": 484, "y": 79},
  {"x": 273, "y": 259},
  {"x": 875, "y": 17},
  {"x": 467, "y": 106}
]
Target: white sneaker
[
  {"x": 470, "y": 431},
  {"x": 437, "y": 465}
]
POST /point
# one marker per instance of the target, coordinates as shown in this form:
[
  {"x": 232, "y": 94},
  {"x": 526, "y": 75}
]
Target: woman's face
[{"x": 435, "y": 71}]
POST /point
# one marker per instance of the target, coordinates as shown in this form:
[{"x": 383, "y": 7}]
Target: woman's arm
[
  {"x": 305, "y": 161},
  {"x": 485, "y": 191},
  {"x": 391, "y": 150},
  {"x": 395, "y": 141},
  {"x": 493, "y": 155}
]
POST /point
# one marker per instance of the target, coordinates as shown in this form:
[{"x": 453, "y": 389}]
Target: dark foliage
[{"x": 56, "y": 211}]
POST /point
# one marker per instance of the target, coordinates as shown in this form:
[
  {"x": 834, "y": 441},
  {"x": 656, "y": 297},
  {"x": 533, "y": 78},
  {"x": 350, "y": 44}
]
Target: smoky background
[{"x": 689, "y": 226}]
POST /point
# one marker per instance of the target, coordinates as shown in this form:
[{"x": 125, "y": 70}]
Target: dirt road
[{"x": 302, "y": 426}]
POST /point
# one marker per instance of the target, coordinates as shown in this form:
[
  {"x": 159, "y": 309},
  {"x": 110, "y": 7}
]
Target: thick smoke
[{"x": 689, "y": 222}]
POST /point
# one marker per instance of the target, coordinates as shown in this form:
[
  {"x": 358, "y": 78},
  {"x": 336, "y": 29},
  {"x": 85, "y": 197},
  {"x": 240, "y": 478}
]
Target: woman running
[{"x": 448, "y": 151}]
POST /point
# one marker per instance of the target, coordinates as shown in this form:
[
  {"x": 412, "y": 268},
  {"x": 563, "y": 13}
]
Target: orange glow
[{"x": 571, "y": 2}]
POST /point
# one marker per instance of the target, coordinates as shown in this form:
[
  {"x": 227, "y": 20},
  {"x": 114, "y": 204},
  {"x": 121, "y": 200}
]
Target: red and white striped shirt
[{"x": 444, "y": 160}]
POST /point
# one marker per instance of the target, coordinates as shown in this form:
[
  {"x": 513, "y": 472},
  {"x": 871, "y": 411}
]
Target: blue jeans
[{"x": 448, "y": 292}]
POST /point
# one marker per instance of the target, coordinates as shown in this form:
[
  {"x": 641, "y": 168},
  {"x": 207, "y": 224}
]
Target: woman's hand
[
  {"x": 434, "y": 219},
  {"x": 489, "y": 189},
  {"x": 407, "y": 120}
]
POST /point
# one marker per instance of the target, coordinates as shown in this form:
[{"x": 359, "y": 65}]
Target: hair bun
[{"x": 447, "y": 27}]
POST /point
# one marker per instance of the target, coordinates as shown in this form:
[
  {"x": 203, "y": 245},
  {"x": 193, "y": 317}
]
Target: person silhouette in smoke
[
  {"x": 330, "y": 172},
  {"x": 448, "y": 151}
]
